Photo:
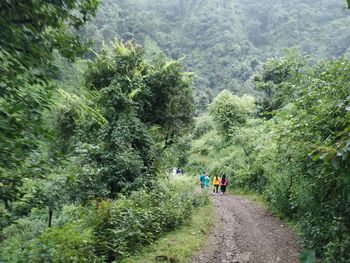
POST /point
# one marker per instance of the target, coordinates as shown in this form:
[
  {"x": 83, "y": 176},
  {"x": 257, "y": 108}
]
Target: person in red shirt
[{"x": 223, "y": 184}]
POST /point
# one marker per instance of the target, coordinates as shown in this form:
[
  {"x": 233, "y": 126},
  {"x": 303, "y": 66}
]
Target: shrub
[
  {"x": 203, "y": 125},
  {"x": 108, "y": 230},
  {"x": 18, "y": 235},
  {"x": 70, "y": 243},
  {"x": 126, "y": 224}
]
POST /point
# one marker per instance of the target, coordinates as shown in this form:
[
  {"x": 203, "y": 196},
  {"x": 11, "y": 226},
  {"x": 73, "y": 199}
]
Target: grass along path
[{"x": 180, "y": 245}]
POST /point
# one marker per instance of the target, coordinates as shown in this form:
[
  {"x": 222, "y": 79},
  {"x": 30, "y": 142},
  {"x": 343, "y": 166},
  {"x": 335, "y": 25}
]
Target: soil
[{"x": 244, "y": 232}]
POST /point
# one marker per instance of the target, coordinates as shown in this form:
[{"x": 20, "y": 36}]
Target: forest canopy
[{"x": 224, "y": 42}]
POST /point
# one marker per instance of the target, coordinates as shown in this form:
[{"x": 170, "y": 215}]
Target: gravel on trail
[{"x": 245, "y": 232}]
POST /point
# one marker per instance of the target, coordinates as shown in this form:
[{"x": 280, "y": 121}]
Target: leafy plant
[{"x": 108, "y": 230}]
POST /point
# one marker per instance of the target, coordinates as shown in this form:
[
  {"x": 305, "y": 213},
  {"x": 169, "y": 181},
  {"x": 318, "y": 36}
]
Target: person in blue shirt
[
  {"x": 201, "y": 179},
  {"x": 206, "y": 181}
]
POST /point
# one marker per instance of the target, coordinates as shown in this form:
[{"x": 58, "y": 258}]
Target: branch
[{"x": 23, "y": 21}]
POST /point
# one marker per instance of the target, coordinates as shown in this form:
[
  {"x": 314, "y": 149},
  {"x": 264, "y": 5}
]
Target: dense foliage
[
  {"x": 30, "y": 31},
  {"x": 76, "y": 132},
  {"x": 105, "y": 137},
  {"x": 104, "y": 231},
  {"x": 140, "y": 104},
  {"x": 295, "y": 151},
  {"x": 85, "y": 141},
  {"x": 224, "y": 42}
]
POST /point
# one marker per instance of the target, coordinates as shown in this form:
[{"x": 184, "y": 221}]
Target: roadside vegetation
[
  {"x": 292, "y": 146},
  {"x": 112, "y": 230},
  {"x": 179, "y": 245}
]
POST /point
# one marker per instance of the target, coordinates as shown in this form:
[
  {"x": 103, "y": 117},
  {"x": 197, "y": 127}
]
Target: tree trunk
[
  {"x": 50, "y": 215},
  {"x": 246, "y": 153}
]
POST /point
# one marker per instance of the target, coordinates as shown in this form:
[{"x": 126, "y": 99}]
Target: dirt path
[{"x": 246, "y": 232}]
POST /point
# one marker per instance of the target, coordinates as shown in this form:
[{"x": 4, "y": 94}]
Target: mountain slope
[{"x": 222, "y": 41}]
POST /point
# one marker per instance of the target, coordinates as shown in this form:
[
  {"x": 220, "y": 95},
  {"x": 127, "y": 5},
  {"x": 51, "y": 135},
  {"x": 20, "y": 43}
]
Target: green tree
[
  {"x": 225, "y": 42},
  {"x": 230, "y": 111},
  {"x": 277, "y": 79},
  {"x": 146, "y": 106},
  {"x": 308, "y": 180},
  {"x": 30, "y": 32}
]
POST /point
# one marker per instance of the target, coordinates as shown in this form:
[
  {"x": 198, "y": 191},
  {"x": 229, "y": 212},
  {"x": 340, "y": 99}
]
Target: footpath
[{"x": 245, "y": 232}]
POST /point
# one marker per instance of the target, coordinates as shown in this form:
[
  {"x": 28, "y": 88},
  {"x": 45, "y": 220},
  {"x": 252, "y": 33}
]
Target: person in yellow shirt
[{"x": 216, "y": 184}]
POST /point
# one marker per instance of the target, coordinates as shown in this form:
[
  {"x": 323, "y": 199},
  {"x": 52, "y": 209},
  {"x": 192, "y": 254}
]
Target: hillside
[{"x": 224, "y": 42}]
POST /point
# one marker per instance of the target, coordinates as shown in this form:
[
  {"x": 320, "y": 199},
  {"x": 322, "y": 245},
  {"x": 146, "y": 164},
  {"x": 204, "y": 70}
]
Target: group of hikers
[
  {"x": 221, "y": 182},
  {"x": 177, "y": 171}
]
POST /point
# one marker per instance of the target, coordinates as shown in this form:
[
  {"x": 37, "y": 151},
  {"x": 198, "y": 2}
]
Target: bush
[
  {"x": 338, "y": 250},
  {"x": 123, "y": 226},
  {"x": 204, "y": 124},
  {"x": 17, "y": 236},
  {"x": 70, "y": 243},
  {"x": 107, "y": 230}
]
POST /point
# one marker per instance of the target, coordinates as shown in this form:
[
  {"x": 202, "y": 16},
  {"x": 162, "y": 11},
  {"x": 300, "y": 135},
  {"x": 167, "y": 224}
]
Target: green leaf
[
  {"x": 133, "y": 93},
  {"x": 307, "y": 256}
]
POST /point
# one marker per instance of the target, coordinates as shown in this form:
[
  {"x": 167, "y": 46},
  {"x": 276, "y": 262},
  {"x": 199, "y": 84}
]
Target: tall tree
[
  {"x": 230, "y": 111},
  {"x": 146, "y": 106},
  {"x": 30, "y": 32}
]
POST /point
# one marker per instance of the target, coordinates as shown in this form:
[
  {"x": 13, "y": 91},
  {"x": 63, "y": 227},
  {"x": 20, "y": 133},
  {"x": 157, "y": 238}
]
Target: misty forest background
[{"x": 99, "y": 100}]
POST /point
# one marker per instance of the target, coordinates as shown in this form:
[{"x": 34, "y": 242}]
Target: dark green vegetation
[
  {"x": 30, "y": 31},
  {"x": 222, "y": 41},
  {"x": 79, "y": 134},
  {"x": 103, "y": 231},
  {"x": 84, "y": 143},
  {"x": 179, "y": 245},
  {"x": 293, "y": 146}
]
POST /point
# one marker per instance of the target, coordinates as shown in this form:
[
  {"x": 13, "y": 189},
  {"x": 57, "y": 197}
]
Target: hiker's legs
[
  {"x": 216, "y": 189},
  {"x": 223, "y": 189}
]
